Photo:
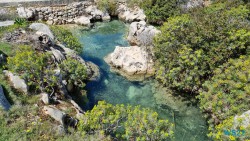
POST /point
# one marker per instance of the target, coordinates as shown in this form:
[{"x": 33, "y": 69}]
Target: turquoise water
[{"x": 113, "y": 88}]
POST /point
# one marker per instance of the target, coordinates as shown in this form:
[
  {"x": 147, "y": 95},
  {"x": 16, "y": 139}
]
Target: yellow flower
[{"x": 232, "y": 138}]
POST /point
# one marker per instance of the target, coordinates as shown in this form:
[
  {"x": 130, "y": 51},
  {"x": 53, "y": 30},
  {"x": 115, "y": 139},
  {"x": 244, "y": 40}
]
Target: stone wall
[{"x": 64, "y": 15}]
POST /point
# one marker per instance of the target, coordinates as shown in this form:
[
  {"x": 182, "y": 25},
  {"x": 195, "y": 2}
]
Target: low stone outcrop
[
  {"x": 3, "y": 101},
  {"x": 131, "y": 61},
  {"x": 45, "y": 98},
  {"x": 83, "y": 20},
  {"x": 41, "y": 29},
  {"x": 60, "y": 116},
  {"x": 17, "y": 82},
  {"x": 141, "y": 34},
  {"x": 130, "y": 14}
]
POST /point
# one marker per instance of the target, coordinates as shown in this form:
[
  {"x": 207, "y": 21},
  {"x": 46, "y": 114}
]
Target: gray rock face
[
  {"x": 54, "y": 113},
  {"x": 140, "y": 34},
  {"x": 3, "y": 101},
  {"x": 17, "y": 82},
  {"x": 130, "y": 14},
  {"x": 45, "y": 98},
  {"x": 42, "y": 29},
  {"x": 245, "y": 118},
  {"x": 59, "y": 57},
  {"x": 132, "y": 60},
  {"x": 25, "y": 13}
]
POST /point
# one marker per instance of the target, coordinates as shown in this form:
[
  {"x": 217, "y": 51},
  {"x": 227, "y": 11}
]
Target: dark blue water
[{"x": 113, "y": 88}]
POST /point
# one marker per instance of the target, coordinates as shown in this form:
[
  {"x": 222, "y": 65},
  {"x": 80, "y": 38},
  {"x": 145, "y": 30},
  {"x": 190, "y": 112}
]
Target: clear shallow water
[{"x": 99, "y": 42}]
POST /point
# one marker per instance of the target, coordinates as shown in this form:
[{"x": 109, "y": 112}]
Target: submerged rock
[
  {"x": 17, "y": 82},
  {"x": 129, "y": 61},
  {"x": 141, "y": 34},
  {"x": 3, "y": 101}
]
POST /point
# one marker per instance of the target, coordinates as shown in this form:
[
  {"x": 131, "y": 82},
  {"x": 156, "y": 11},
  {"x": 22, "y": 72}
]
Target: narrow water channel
[{"x": 113, "y": 88}]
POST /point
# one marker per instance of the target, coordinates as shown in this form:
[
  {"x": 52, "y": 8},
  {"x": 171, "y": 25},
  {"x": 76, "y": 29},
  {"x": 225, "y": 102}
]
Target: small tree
[
  {"x": 74, "y": 72},
  {"x": 125, "y": 123}
]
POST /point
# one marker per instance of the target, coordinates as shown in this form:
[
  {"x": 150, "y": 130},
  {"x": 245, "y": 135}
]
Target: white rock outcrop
[
  {"x": 132, "y": 60},
  {"x": 83, "y": 20},
  {"x": 141, "y": 34},
  {"x": 16, "y": 81},
  {"x": 130, "y": 14},
  {"x": 25, "y": 13}
]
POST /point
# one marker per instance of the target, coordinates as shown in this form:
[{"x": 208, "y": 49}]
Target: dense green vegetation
[
  {"x": 192, "y": 46},
  {"x": 66, "y": 37},
  {"x": 125, "y": 123},
  {"x": 74, "y": 72},
  {"x": 227, "y": 93},
  {"x": 158, "y": 11}
]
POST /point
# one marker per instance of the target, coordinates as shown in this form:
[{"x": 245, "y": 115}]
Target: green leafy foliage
[
  {"x": 191, "y": 46},
  {"x": 20, "y": 21},
  {"x": 125, "y": 123},
  {"x": 109, "y": 6},
  {"x": 33, "y": 67},
  {"x": 74, "y": 72},
  {"x": 65, "y": 36},
  {"x": 227, "y": 93},
  {"x": 158, "y": 11}
]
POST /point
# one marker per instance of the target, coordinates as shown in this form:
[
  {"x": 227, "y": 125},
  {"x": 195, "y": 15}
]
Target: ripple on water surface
[{"x": 99, "y": 42}]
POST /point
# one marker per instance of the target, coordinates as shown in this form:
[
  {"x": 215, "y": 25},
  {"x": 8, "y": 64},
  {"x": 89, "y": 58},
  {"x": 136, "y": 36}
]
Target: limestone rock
[
  {"x": 45, "y": 98},
  {"x": 16, "y": 81},
  {"x": 140, "y": 34},
  {"x": 54, "y": 113},
  {"x": 25, "y": 13},
  {"x": 42, "y": 29},
  {"x": 131, "y": 60},
  {"x": 130, "y": 14},
  {"x": 245, "y": 118},
  {"x": 83, "y": 20},
  {"x": 59, "y": 57},
  {"x": 3, "y": 101}
]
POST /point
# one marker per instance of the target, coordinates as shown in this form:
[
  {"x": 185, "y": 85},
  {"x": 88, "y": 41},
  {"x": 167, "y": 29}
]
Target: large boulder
[
  {"x": 17, "y": 82},
  {"x": 83, "y": 20},
  {"x": 141, "y": 34},
  {"x": 129, "y": 61},
  {"x": 3, "y": 101},
  {"x": 130, "y": 14},
  {"x": 25, "y": 13},
  {"x": 41, "y": 29}
]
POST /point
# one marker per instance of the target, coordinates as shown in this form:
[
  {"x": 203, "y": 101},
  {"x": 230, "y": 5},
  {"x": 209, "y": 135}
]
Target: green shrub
[
  {"x": 74, "y": 72},
  {"x": 109, "y": 6},
  {"x": 33, "y": 67},
  {"x": 191, "y": 46},
  {"x": 65, "y": 36},
  {"x": 158, "y": 11},
  {"x": 227, "y": 93},
  {"x": 20, "y": 21},
  {"x": 125, "y": 123}
]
